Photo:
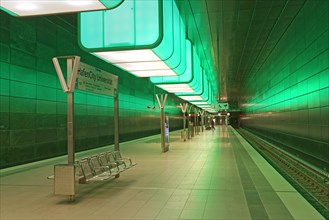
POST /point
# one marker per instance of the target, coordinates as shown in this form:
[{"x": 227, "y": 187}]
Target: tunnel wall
[
  {"x": 33, "y": 105},
  {"x": 290, "y": 91}
]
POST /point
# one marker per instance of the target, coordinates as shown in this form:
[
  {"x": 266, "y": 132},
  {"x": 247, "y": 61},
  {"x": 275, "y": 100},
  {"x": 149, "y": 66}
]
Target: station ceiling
[{"x": 236, "y": 37}]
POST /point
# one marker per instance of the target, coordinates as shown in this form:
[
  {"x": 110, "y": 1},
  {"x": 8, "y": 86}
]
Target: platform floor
[{"x": 215, "y": 175}]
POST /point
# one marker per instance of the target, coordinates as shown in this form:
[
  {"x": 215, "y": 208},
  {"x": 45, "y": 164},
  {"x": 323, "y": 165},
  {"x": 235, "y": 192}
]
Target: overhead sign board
[
  {"x": 94, "y": 80},
  {"x": 223, "y": 106}
]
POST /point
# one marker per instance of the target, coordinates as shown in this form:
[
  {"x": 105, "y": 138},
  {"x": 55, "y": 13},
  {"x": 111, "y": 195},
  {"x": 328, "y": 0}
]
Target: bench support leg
[{"x": 72, "y": 198}]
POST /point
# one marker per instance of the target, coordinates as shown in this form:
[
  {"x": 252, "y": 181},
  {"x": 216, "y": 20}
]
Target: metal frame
[{"x": 68, "y": 86}]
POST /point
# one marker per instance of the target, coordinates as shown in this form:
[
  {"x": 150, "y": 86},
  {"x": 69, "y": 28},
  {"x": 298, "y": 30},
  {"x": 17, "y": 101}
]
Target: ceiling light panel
[
  {"x": 44, "y": 7},
  {"x": 145, "y": 38},
  {"x": 190, "y": 79}
]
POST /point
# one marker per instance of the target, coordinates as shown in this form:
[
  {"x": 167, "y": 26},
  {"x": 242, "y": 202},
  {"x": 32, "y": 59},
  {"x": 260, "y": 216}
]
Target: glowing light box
[
  {"x": 43, "y": 7},
  {"x": 145, "y": 38},
  {"x": 193, "y": 99},
  {"x": 189, "y": 81},
  {"x": 205, "y": 103},
  {"x": 199, "y": 95}
]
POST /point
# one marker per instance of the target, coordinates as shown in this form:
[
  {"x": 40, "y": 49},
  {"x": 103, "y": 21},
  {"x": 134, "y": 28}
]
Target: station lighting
[
  {"x": 44, "y": 7},
  {"x": 211, "y": 110},
  {"x": 206, "y": 102},
  {"x": 145, "y": 38},
  {"x": 199, "y": 95},
  {"x": 189, "y": 81}
]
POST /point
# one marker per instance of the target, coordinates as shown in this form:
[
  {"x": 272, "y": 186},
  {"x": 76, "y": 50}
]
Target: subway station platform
[{"x": 215, "y": 175}]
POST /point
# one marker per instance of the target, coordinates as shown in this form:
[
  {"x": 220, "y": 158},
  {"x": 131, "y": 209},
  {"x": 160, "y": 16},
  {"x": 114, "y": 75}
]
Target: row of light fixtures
[{"x": 145, "y": 38}]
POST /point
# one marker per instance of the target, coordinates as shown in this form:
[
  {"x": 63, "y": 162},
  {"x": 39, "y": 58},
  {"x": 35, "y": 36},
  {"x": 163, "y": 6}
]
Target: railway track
[{"x": 311, "y": 183}]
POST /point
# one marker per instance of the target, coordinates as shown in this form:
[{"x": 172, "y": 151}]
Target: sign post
[
  {"x": 184, "y": 108},
  {"x": 116, "y": 120},
  {"x": 190, "y": 128},
  {"x": 202, "y": 114},
  {"x": 195, "y": 120},
  {"x": 72, "y": 63},
  {"x": 64, "y": 183},
  {"x": 162, "y": 102},
  {"x": 90, "y": 79}
]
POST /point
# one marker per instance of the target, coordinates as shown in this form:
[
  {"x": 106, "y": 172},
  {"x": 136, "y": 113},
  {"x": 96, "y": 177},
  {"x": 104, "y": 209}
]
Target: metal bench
[
  {"x": 100, "y": 167},
  {"x": 128, "y": 163},
  {"x": 105, "y": 160},
  {"x": 92, "y": 171},
  {"x": 111, "y": 158}
]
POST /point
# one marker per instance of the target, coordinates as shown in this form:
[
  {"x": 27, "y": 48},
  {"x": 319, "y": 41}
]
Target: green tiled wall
[
  {"x": 290, "y": 93},
  {"x": 33, "y": 106}
]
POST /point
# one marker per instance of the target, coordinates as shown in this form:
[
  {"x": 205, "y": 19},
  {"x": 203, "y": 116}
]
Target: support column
[
  {"x": 64, "y": 183},
  {"x": 162, "y": 102},
  {"x": 72, "y": 69},
  {"x": 70, "y": 137},
  {"x": 202, "y": 119},
  {"x": 190, "y": 129},
  {"x": 116, "y": 120},
  {"x": 195, "y": 120},
  {"x": 184, "y": 108}
]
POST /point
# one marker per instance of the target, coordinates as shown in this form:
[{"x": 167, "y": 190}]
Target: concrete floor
[{"x": 215, "y": 175}]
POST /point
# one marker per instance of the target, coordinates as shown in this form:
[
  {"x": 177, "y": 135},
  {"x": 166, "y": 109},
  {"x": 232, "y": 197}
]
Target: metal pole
[
  {"x": 184, "y": 121},
  {"x": 202, "y": 120},
  {"x": 70, "y": 138},
  {"x": 195, "y": 120},
  {"x": 116, "y": 123},
  {"x": 184, "y": 124},
  {"x": 162, "y": 123},
  {"x": 184, "y": 108},
  {"x": 116, "y": 120},
  {"x": 161, "y": 102},
  {"x": 188, "y": 119},
  {"x": 66, "y": 178}
]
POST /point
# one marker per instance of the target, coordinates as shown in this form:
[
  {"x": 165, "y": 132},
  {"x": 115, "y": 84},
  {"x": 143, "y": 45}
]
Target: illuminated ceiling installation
[
  {"x": 145, "y": 38},
  {"x": 44, "y": 7},
  {"x": 149, "y": 40},
  {"x": 197, "y": 95},
  {"x": 202, "y": 98},
  {"x": 189, "y": 81}
]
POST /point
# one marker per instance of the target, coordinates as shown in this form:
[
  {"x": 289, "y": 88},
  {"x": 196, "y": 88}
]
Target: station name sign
[{"x": 94, "y": 80}]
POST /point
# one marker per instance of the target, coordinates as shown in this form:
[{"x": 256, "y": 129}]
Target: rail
[{"x": 310, "y": 182}]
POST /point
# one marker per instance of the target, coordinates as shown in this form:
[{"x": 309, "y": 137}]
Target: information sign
[{"x": 94, "y": 80}]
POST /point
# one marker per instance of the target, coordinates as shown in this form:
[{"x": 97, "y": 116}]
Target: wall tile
[
  {"x": 20, "y": 89},
  {"x": 33, "y": 106},
  {"x": 22, "y": 137},
  {"x": 22, "y": 105},
  {"x": 4, "y": 70},
  {"x": 294, "y": 83}
]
